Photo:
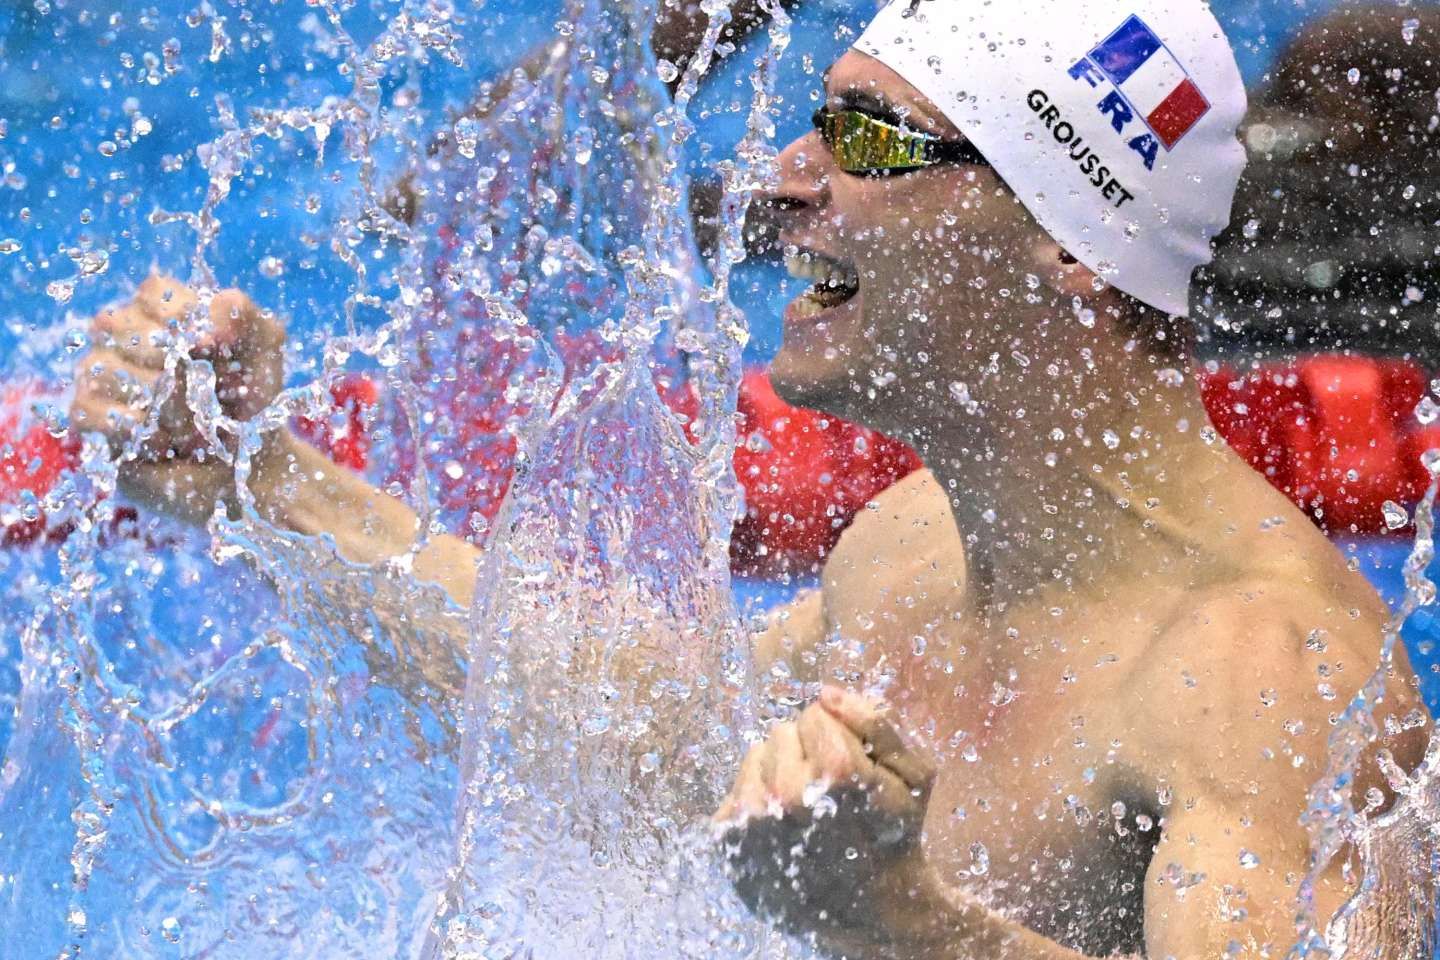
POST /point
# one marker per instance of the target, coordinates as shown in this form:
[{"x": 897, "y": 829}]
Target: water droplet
[
  {"x": 170, "y": 53},
  {"x": 1322, "y": 274},
  {"x": 91, "y": 263},
  {"x": 1427, "y": 410},
  {"x": 1395, "y": 515},
  {"x": 9, "y": 245},
  {"x": 1110, "y": 438},
  {"x": 666, "y": 71},
  {"x": 1408, "y": 29},
  {"x": 61, "y": 291},
  {"x": 979, "y": 859},
  {"x": 960, "y": 393},
  {"x": 1353, "y": 75},
  {"x": 1248, "y": 860},
  {"x": 467, "y": 136},
  {"x": 170, "y": 929}
]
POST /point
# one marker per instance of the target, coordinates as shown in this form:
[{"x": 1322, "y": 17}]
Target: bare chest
[
  {"x": 1056, "y": 836},
  {"x": 1040, "y": 807}
]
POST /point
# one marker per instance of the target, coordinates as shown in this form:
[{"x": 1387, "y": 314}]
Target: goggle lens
[{"x": 863, "y": 144}]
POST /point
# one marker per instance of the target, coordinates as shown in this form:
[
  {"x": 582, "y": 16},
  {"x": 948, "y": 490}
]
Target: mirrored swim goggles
[{"x": 866, "y": 145}]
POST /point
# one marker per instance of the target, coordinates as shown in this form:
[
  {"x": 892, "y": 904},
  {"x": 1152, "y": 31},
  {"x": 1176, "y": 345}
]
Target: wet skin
[{"x": 1103, "y": 737}]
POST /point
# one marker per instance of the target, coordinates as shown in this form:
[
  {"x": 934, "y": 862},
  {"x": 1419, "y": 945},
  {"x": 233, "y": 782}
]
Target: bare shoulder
[
  {"x": 1244, "y": 682},
  {"x": 785, "y": 646},
  {"x": 906, "y": 530},
  {"x": 900, "y": 565},
  {"x": 914, "y": 510}
]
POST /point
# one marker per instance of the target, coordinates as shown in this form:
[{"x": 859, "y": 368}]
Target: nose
[{"x": 805, "y": 173}]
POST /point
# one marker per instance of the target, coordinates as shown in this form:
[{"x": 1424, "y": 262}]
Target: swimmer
[{"x": 1109, "y": 650}]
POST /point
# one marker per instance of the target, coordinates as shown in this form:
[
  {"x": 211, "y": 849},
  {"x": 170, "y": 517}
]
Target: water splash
[
  {"x": 1396, "y": 907},
  {"x": 601, "y": 728},
  {"x": 258, "y": 765},
  {"x": 270, "y": 755}
]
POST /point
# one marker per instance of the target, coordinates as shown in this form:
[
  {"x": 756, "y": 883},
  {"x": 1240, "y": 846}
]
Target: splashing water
[
  {"x": 272, "y": 759},
  {"x": 1396, "y": 908},
  {"x": 600, "y": 728},
  {"x": 295, "y": 753}
]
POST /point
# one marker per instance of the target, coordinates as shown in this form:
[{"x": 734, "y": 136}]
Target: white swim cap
[{"x": 1113, "y": 122}]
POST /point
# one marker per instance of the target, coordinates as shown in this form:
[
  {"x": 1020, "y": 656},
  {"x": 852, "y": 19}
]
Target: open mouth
[{"x": 835, "y": 281}]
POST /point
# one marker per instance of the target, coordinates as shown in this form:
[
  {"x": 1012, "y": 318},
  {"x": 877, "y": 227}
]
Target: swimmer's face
[{"x": 917, "y": 266}]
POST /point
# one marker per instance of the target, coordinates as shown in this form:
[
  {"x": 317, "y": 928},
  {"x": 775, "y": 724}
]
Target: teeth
[
  {"x": 806, "y": 306},
  {"x": 822, "y": 269}
]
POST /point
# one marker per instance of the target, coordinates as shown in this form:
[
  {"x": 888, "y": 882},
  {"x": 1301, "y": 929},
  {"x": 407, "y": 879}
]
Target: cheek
[{"x": 924, "y": 221}]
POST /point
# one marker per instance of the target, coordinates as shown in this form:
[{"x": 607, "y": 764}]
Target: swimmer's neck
[{"x": 1125, "y": 487}]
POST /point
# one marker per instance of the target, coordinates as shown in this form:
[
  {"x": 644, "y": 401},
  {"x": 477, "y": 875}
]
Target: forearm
[
  {"x": 413, "y": 633},
  {"x": 298, "y": 488}
]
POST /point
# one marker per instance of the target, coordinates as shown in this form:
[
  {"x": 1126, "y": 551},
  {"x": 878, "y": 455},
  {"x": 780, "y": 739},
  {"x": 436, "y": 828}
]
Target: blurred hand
[
  {"x": 115, "y": 387},
  {"x": 822, "y": 827}
]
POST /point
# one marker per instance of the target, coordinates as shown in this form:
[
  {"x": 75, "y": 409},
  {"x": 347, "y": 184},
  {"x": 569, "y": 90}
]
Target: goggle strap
[{"x": 954, "y": 151}]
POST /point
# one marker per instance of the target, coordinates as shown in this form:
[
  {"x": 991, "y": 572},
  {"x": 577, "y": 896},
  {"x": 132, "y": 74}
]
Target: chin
[
  {"x": 813, "y": 382},
  {"x": 831, "y": 388}
]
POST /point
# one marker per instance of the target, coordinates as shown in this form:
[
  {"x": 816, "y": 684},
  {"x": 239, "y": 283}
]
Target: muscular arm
[
  {"x": 1240, "y": 743},
  {"x": 1225, "y": 716},
  {"x": 296, "y": 487},
  {"x": 791, "y": 632},
  {"x": 302, "y": 490}
]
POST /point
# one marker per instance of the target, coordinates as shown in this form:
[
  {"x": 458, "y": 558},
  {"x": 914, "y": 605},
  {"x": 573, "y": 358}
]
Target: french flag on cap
[{"x": 1151, "y": 79}]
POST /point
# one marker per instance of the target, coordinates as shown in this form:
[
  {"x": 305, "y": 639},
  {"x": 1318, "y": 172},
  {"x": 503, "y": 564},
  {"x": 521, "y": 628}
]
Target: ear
[{"x": 1060, "y": 271}]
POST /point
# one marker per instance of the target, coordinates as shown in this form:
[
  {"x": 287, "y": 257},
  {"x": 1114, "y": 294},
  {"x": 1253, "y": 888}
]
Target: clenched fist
[
  {"x": 116, "y": 388},
  {"x": 822, "y": 827}
]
